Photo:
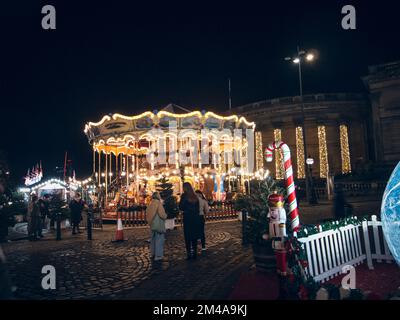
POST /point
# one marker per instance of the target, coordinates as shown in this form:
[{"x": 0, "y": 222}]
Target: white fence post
[{"x": 367, "y": 245}]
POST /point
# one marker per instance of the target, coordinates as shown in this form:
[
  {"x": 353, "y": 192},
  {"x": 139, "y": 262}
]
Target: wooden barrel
[{"x": 264, "y": 257}]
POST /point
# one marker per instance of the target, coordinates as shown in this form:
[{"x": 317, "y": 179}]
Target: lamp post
[{"x": 298, "y": 59}]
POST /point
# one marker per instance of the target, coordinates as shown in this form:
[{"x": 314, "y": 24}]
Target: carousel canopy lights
[
  {"x": 183, "y": 146},
  {"x": 118, "y": 129}
]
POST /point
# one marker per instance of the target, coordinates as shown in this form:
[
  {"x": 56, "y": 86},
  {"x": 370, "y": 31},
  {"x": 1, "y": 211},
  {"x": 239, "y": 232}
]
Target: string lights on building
[
  {"x": 279, "y": 168},
  {"x": 323, "y": 152},
  {"x": 259, "y": 151},
  {"x": 344, "y": 149},
  {"x": 300, "y": 153}
]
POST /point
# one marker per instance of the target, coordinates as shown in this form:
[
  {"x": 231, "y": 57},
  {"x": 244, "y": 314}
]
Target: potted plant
[
  {"x": 170, "y": 202},
  {"x": 256, "y": 226}
]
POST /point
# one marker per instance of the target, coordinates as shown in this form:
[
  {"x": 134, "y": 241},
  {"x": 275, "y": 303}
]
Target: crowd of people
[
  {"x": 194, "y": 207},
  {"x": 193, "y": 204},
  {"x": 39, "y": 216},
  {"x": 38, "y": 212}
]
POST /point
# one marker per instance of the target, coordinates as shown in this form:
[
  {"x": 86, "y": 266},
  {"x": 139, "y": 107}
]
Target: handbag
[{"x": 158, "y": 224}]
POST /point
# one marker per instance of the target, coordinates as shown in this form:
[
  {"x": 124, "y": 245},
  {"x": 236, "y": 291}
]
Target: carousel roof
[{"x": 117, "y": 125}]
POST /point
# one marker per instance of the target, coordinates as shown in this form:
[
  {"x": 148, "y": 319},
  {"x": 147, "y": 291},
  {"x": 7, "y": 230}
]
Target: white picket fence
[{"x": 328, "y": 251}]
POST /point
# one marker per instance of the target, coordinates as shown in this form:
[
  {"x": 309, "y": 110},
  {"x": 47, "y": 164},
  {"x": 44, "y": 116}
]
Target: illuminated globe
[{"x": 390, "y": 213}]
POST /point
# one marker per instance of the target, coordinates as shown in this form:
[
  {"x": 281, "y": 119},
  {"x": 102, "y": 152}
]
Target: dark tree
[{"x": 170, "y": 202}]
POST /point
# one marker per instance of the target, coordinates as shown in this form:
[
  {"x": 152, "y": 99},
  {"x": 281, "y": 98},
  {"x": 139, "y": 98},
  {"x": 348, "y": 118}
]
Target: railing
[
  {"x": 97, "y": 219},
  {"x": 329, "y": 97},
  {"x": 222, "y": 211},
  {"x": 353, "y": 189},
  {"x": 136, "y": 216},
  {"x": 133, "y": 216},
  {"x": 328, "y": 251}
]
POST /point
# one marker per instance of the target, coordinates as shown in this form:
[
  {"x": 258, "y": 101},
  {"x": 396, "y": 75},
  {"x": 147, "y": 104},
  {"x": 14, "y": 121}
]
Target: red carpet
[
  {"x": 381, "y": 281},
  {"x": 255, "y": 285}
]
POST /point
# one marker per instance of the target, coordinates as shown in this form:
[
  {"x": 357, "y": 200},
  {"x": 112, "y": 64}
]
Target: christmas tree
[
  {"x": 59, "y": 206},
  {"x": 170, "y": 202},
  {"x": 256, "y": 205}
]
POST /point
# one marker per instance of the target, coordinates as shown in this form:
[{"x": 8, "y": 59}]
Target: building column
[
  {"x": 376, "y": 126},
  {"x": 345, "y": 148},
  {"x": 323, "y": 152}
]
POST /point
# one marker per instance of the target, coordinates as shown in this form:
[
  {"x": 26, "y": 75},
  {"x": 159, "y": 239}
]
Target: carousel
[{"x": 131, "y": 154}]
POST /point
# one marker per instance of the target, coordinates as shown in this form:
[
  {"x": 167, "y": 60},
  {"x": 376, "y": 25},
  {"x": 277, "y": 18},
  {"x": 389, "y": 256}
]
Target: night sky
[{"x": 129, "y": 58}]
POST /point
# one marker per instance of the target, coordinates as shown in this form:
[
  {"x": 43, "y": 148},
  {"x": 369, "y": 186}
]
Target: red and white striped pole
[{"x": 290, "y": 188}]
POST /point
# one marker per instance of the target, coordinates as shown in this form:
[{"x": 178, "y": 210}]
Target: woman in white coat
[{"x": 156, "y": 216}]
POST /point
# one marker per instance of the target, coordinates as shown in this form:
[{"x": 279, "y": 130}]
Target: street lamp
[
  {"x": 310, "y": 161},
  {"x": 310, "y": 57},
  {"x": 305, "y": 56},
  {"x": 313, "y": 195}
]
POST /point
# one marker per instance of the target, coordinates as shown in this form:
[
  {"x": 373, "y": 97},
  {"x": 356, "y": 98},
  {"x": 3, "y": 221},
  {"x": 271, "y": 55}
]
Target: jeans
[{"x": 157, "y": 244}]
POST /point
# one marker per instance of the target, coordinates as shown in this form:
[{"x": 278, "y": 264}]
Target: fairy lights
[
  {"x": 279, "y": 168},
  {"x": 300, "y": 153},
  {"x": 259, "y": 151},
  {"x": 344, "y": 149},
  {"x": 156, "y": 117},
  {"x": 323, "y": 152},
  {"x": 203, "y": 143}
]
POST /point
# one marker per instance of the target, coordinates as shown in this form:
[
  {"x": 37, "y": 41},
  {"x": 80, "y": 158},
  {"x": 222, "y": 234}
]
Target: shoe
[
  {"x": 158, "y": 258},
  {"x": 203, "y": 249}
]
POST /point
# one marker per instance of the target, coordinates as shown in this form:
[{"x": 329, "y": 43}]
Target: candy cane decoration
[{"x": 293, "y": 210}]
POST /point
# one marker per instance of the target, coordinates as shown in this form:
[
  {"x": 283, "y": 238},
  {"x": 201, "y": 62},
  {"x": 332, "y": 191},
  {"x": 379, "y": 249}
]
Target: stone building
[
  {"x": 344, "y": 131},
  {"x": 383, "y": 83}
]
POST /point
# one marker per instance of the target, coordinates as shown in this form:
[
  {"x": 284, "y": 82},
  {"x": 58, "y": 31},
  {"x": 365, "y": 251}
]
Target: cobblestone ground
[{"x": 102, "y": 269}]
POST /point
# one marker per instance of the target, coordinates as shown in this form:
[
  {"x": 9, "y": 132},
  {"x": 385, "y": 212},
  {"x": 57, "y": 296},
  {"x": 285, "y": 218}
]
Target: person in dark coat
[
  {"x": 44, "y": 204},
  {"x": 76, "y": 206},
  {"x": 33, "y": 218},
  {"x": 189, "y": 204}
]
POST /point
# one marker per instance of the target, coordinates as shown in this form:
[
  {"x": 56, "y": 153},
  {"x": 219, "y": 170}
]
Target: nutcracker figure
[{"x": 277, "y": 230}]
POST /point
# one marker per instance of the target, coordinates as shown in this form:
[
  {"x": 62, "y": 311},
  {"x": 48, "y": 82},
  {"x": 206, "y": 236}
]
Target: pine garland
[{"x": 306, "y": 231}]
